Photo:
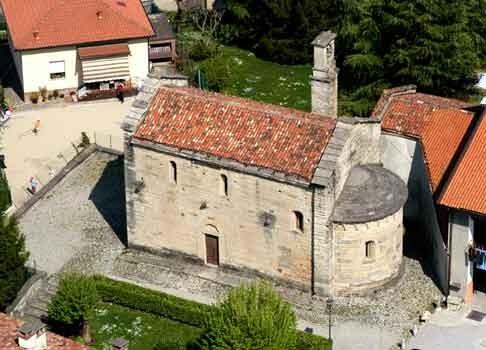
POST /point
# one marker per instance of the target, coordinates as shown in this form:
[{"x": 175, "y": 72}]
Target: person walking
[
  {"x": 119, "y": 92},
  {"x": 33, "y": 185},
  {"x": 36, "y": 127}
]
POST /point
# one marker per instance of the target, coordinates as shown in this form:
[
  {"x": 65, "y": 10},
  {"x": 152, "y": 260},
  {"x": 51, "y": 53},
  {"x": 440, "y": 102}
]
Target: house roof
[
  {"x": 51, "y": 23},
  {"x": 466, "y": 188},
  {"x": 438, "y": 123},
  {"x": 8, "y": 337},
  {"x": 103, "y": 51},
  {"x": 162, "y": 27},
  {"x": 251, "y": 133}
]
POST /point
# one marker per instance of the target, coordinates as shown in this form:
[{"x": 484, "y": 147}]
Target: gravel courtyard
[
  {"x": 44, "y": 154},
  {"x": 80, "y": 223}
]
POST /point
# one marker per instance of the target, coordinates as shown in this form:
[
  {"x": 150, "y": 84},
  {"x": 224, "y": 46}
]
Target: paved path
[
  {"x": 448, "y": 330},
  {"x": 44, "y": 154}
]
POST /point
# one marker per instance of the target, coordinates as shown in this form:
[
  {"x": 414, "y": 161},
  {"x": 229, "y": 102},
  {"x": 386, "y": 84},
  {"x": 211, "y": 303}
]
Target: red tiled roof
[
  {"x": 50, "y": 23},
  {"x": 467, "y": 186},
  {"x": 248, "y": 132},
  {"x": 103, "y": 51},
  {"x": 8, "y": 337},
  {"x": 437, "y": 122}
]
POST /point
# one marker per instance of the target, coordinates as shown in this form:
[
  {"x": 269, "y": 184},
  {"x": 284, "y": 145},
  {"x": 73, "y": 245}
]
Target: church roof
[
  {"x": 249, "y": 133},
  {"x": 440, "y": 124},
  {"x": 51, "y": 23}
]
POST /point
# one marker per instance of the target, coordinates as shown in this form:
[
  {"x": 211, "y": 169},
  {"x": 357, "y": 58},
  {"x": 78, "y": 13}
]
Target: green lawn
[
  {"x": 143, "y": 330},
  {"x": 266, "y": 81}
]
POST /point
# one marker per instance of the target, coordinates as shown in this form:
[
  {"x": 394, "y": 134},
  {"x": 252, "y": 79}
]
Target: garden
[{"x": 101, "y": 310}]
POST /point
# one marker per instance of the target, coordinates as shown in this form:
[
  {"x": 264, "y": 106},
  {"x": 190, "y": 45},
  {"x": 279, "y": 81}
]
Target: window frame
[
  {"x": 224, "y": 185},
  {"x": 173, "y": 172},
  {"x": 57, "y": 74},
  {"x": 298, "y": 218},
  {"x": 370, "y": 250}
]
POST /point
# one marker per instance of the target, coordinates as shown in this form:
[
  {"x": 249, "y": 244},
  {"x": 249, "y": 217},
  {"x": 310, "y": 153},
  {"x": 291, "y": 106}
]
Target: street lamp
[{"x": 329, "y": 304}]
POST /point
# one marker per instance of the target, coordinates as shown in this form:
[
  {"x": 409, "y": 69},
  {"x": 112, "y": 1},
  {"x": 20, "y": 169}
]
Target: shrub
[
  {"x": 55, "y": 94},
  {"x": 171, "y": 344},
  {"x": 43, "y": 92},
  {"x": 307, "y": 341},
  {"x": 217, "y": 73},
  {"x": 74, "y": 301},
  {"x": 146, "y": 300},
  {"x": 201, "y": 49},
  {"x": 252, "y": 316},
  {"x": 34, "y": 97},
  {"x": 85, "y": 141}
]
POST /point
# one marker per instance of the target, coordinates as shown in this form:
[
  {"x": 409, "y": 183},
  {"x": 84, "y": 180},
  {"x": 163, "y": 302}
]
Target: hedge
[{"x": 178, "y": 309}]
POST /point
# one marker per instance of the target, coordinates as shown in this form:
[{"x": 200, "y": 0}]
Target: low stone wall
[
  {"x": 27, "y": 290},
  {"x": 354, "y": 271}
]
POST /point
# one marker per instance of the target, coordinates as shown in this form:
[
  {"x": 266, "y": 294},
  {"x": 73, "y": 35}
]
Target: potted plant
[
  {"x": 43, "y": 93},
  {"x": 34, "y": 97},
  {"x": 55, "y": 94}
]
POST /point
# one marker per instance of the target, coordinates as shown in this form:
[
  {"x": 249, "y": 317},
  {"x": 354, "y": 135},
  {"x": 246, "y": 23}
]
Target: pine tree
[{"x": 13, "y": 257}]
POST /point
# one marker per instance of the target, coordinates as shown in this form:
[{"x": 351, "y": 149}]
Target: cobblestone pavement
[
  {"x": 374, "y": 322},
  {"x": 73, "y": 226}
]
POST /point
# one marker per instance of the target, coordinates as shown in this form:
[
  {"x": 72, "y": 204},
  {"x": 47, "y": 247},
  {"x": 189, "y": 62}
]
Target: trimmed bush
[
  {"x": 307, "y": 341},
  {"x": 178, "y": 309},
  {"x": 138, "y": 298}
]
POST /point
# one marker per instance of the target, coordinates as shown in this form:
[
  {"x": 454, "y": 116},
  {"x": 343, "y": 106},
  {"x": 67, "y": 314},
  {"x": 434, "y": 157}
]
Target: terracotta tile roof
[
  {"x": 438, "y": 123},
  {"x": 103, "y": 51},
  {"x": 8, "y": 337},
  {"x": 50, "y": 23},
  {"x": 467, "y": 186},
  {"x": 251, "y": 133}
]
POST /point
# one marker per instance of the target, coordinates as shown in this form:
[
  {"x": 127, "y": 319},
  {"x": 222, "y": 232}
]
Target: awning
[{"x": 104, "y": 63}]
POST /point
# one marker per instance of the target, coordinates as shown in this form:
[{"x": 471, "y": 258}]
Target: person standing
[
  {"x": 36, "y": 127},
  {"x": 119, "y": 92}
]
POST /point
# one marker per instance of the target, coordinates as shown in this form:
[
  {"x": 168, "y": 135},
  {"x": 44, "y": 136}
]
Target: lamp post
[{"x": 329, "y": 304}]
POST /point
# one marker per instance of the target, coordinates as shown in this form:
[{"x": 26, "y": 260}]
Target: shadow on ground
[
  {"x": 415, "y": 247},
  {"x": 108, "y": 196},
  {"x": 8, "y": 72}
]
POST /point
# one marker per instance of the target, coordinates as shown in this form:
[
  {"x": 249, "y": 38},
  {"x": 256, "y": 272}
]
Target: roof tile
[
  {"x": 251, "y": 133},
  {"x": 61, "y": 22}
]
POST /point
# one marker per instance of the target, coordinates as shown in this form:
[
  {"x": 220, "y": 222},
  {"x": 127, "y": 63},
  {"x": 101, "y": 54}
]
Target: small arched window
[
  {"x": 370, "y": 249},
  {"x": 224, "y": 185},
  {"x": 173, "y": 172},
  {"x": 299, "y": 220}
]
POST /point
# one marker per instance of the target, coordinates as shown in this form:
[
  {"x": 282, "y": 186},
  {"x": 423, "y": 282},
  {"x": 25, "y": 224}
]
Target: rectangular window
[{"x": 57, "y": 70}]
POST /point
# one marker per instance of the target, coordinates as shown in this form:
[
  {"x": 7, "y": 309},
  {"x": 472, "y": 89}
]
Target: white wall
[
  {"x": 138, "y": 59},
  {"x": 35, "y": 66},
  {"x": 397, "y": 154}
]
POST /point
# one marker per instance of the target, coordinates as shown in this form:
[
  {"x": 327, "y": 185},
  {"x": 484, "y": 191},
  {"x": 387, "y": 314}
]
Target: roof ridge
[
  {"x": 127, "y": 18},
  {"x": 240, "y": 102}
]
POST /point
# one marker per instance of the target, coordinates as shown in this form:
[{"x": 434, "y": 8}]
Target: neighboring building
[
  {"x": 63, "y": 45},
  {"x": 171, "y": 5},
  {"x": 32, "y": 336},
  {"x": 296, "y": 197},
  {"x": 163, "y": 43},
  {"x": 437, "y": 146}
]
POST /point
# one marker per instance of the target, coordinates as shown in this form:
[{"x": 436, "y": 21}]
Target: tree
[
  {"x": 251, "y": 317},
  {"x": 74, "y": 302},
  {"x": 13, "y": 257}
]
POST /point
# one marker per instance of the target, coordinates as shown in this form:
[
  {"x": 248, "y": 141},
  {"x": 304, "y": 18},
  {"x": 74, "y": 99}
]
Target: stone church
[{"x": 298, "y": 198}]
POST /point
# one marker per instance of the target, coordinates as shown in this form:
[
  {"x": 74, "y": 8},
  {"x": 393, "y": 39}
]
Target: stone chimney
[
  {"x": 32, "y": 336},
  {"x": 119, "y": 344},
  {"x": 324, "y": 76}
]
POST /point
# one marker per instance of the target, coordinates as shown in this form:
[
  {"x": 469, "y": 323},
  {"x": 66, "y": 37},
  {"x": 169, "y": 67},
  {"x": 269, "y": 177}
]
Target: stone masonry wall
[
  {"x": 255, "y": 223},
  {"x": 361, "y": 147},
  {"x": 354, "y": 272}
]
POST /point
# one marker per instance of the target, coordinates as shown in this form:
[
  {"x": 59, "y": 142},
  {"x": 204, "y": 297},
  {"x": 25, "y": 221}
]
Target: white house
[{"x": 59, "y": 45}]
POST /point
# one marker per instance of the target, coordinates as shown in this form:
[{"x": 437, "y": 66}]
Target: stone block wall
[
  {"x": 254, "y": 223},
  {"x": 354, "y": 271},
  {"x": 361, "y": 147}
]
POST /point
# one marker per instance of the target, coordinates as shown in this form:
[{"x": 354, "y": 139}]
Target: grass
[
  {"x": 266, "y": 81},
  {"x": 142, "y": 330}
]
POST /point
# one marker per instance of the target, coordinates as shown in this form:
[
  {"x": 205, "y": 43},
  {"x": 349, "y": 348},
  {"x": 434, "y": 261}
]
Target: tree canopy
[
  {"x": 13, "y": 257},
  {"x": 434, "y": 44},
  {"x": 251, "y": 317}
]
